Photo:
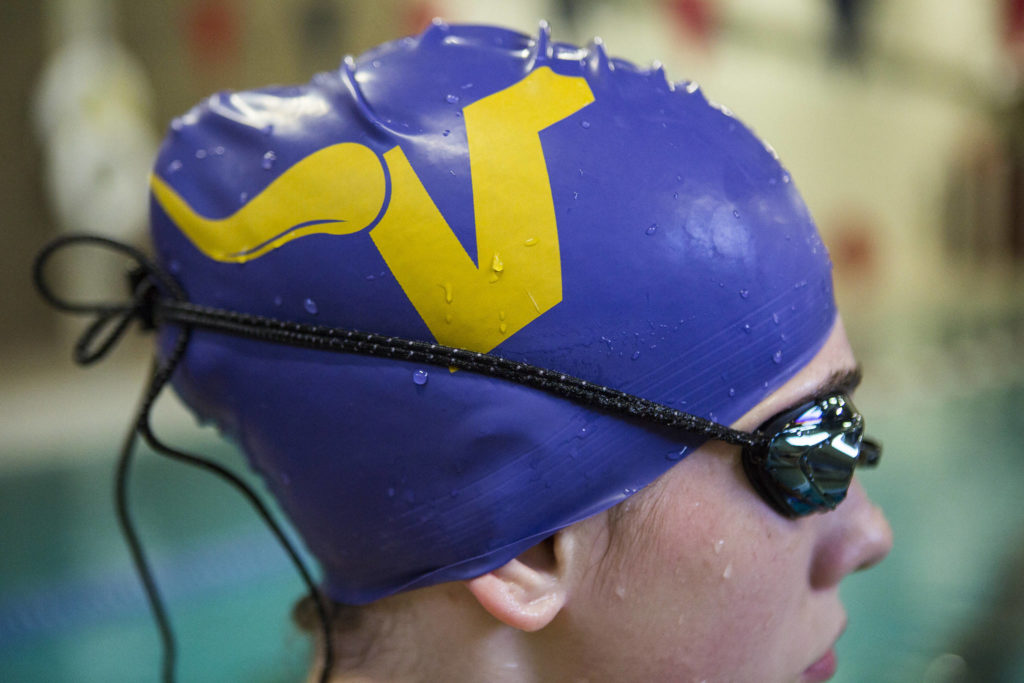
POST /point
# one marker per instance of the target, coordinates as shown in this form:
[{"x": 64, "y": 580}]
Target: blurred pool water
[
  {"x": 948, "y": 603},
  {"x": 71, "y": 607}
]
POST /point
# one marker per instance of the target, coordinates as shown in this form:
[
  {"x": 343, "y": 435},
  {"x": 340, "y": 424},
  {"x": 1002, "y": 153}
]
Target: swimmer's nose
[{"x": 857, "y": 536}]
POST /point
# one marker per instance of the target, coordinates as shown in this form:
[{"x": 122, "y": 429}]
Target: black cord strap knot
[{"x": 146, "y": 282}]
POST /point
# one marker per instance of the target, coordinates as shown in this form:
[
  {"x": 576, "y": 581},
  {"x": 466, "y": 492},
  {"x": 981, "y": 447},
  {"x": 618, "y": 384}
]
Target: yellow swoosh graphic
[{"x": 337, "y": 190}]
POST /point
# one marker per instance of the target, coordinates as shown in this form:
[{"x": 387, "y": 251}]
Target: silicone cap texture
[{"x": 498, "y": 192}]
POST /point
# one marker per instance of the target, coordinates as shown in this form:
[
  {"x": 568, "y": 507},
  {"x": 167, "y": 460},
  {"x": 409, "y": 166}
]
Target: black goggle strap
[
  {"x": 365, "y": 343},
  {"x": 111, "y": 322}
]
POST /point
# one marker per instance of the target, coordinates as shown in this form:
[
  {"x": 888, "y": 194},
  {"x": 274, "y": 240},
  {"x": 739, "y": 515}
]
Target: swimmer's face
[{"x": 699, "y": 579}]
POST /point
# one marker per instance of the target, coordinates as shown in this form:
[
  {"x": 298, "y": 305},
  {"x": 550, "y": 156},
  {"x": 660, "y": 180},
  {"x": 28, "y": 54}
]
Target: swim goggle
[{"x": 806, "y": 455}]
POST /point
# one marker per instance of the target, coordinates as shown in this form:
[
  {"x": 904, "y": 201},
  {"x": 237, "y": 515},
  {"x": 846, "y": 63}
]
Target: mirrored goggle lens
[{"x": 808, "y": 462}]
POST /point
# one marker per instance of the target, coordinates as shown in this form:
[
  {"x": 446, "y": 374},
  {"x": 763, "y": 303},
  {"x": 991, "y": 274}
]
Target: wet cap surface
[{"x": 497, "y": 192}]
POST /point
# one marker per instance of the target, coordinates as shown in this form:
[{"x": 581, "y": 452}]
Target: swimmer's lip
[
  {"x": 822, "y": 670},
  {"x": 825, "y": 666}
]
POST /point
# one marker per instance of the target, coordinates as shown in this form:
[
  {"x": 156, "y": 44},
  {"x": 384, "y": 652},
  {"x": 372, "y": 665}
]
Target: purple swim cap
[{"x": 500, "y": 193}]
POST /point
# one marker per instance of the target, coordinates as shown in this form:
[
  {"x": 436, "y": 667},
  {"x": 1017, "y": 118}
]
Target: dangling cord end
[
  {"x": 112, "y": 320},
  {"x": 160, "y": 378},
  {"x": 325, "y": 625},
  {"x": 124, "y": 518}
]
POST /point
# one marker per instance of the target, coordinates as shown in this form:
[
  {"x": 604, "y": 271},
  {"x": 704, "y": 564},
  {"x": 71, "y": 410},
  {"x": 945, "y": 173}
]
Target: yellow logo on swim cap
[{"x": 340, "y": 190}]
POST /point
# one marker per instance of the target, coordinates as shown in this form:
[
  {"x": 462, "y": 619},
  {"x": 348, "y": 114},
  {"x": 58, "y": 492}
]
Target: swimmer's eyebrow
[{"x": 841, "y": 382}]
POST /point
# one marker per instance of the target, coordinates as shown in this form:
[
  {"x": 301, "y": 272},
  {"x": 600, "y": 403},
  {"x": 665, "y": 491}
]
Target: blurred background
[{"x": 902, "y": 123}]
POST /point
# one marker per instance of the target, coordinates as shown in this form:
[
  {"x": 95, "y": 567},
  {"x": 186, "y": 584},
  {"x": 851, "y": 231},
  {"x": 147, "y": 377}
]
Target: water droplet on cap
[
  {"x": 310, "y": 306},
  {"x": 651, "y": 229},
  {"x": 269, "y": 157},
  {"x": 419, "y": 377},
  {"x": 585, "y": 124},
  {"x": 745, "y": 293},
  {"x": 732, "y": 392},
  {"x": 735, "y": 213},
  {"x": 777, "y": 357},
  {"x": 636, "y": 354},
  {"x": 200, "y": 154},
  {"x": 675, "y": 456},
  {"x": 451, "y": 99},
  {"x": 446, "y": 132},
  {"x": 174, "y": 166}
]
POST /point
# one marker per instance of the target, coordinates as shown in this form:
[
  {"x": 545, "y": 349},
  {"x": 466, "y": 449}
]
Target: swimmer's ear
[{"x": 528, "y": 591}]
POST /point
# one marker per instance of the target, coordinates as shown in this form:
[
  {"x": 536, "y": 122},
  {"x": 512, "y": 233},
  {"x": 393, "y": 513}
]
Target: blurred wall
[
  {"x": 25, "y": 219},
  {"x": 191, "y": 48}
]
